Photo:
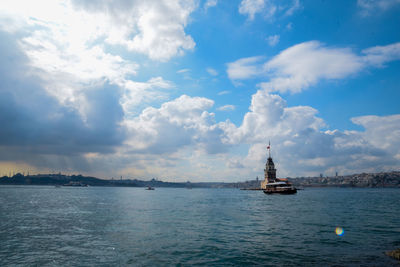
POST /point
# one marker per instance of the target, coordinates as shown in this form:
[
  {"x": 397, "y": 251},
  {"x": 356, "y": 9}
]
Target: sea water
[{"x": 106, "y": 226}]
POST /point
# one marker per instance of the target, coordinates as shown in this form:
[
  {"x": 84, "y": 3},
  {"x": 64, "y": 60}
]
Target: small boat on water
[
  {"x": 280, "y": 188},
  {"x": 76, "y": 184},
  {"x": 150, "y": 188}
]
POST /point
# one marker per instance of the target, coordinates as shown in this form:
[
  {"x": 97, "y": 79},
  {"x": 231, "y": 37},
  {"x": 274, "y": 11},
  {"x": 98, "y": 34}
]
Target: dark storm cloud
[{"x": 35, "y": 123}]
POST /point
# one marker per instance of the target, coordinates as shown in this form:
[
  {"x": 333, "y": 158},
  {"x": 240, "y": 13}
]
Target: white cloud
[
  {"x": 183, "y": 71},
  {"x": 224, "y": 92},
  {"x": 226, "y": 108},
  {"x": 210, "y": 3},
  {"x": 368, "y": 7},
  {"x": 244, "y": 68},
  {"x": 301, "y": 143},
  {"x": 154, "y": 28},
  {"x": 137, "y": 94},
  {"x": 303, "y": 65},
  {"x": 235, "y": 164},
  {"x": 212, "y": 71},
  {"x": 293, "y": 7},
  {"x": 273, "y": 40},
  {"x": 63, "y": 56},
  {"x": 379, "y": 55},
  {"x": 251, "y": 7},
  {"x": 269, "y": 116},
  {"x": 268, "y": 8},
  {"x": 160, "y": 28},
  {"x": 66, "y": 44},
  {"x": 300, "y": 146},
  {"x": 382, "y": 131},
  {"x": 69, "y": 69},
  {"x": 176, "y": 124},
  {"x": 78, "y": 85}
]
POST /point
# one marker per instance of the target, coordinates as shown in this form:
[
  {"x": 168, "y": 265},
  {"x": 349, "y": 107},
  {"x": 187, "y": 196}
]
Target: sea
[{"x": 115, "y": 226}]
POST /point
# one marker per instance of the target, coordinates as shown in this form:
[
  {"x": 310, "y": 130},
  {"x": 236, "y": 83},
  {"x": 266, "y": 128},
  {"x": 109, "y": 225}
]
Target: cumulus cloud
[
  {"x": 269, "y": 116},
  {"x": 185, "y": 134},
  {"x": 155, "y": 28},
  {"x": 303, "y": 65},
  {"x": 382, "y": 131},
  {"x": 305, "y": 146},
  {"x": 176, "y": 124},
  {"x": 38, "y": 130},
  {"x": 302, "y": 144},
  {"x": 180, "y": 136},
  {"x": 68, "y": 102},
  {"x": 65, "y": 44},
  {"x": 138, "y": 94},
  {"x": 64, "y": 94},
  {"x": 47, "y": 134}
]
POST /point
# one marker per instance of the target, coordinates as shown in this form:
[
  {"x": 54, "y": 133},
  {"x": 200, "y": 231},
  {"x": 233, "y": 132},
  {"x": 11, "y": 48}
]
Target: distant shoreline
[{"x": 363, "y": 180}]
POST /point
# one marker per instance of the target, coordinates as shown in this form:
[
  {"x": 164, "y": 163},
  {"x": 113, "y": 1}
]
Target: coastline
[{"x": 363, "y": 180}]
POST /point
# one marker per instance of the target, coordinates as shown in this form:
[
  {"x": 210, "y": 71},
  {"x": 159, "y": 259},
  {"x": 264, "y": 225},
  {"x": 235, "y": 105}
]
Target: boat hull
[{"x": 288, "y": 191}]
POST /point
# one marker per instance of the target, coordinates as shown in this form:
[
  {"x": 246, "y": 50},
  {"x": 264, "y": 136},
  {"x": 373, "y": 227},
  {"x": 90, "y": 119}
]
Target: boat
[
  {"x": 76, "y": 184},
  {"x": 280, "y": 188},
  {"x": 271, "y": 184},
  {"x": 150, "y": 188}
]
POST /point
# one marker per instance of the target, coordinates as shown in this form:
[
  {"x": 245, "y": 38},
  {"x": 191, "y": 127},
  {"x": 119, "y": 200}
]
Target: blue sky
[{"x": 194, "y": 90}]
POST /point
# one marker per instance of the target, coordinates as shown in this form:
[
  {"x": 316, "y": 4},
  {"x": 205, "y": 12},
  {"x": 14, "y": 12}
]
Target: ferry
[{"x": 280, "y": 188}]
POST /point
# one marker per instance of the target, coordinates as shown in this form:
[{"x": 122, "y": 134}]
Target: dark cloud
[{"x": 35, "y": 125}]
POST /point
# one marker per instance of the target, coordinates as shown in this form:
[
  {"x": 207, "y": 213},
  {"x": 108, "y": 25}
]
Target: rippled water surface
[{"x": 132, "y": 226}]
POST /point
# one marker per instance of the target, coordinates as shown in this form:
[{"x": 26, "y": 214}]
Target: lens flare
[{"x": 339, "y": 231}]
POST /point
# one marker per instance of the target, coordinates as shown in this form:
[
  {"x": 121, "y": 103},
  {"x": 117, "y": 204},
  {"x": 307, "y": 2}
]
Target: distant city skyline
[{"x": 194, "y": 90}]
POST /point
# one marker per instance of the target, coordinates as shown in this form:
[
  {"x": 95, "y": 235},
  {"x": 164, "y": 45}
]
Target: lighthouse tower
[{"x": 269, "y": 171}]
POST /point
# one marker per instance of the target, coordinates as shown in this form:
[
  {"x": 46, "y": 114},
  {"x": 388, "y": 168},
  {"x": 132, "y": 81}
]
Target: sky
[{"x": 194, "y": 90}]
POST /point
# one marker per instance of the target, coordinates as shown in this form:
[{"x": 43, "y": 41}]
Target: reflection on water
[{"x": 123, "y": 226}]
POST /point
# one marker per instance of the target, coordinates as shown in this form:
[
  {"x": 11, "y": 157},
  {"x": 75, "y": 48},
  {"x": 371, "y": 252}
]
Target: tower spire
[{"x": 269, "y": 148}]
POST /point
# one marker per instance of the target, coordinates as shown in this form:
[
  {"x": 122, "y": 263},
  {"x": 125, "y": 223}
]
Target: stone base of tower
[{"x": 264, "y": 184}]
